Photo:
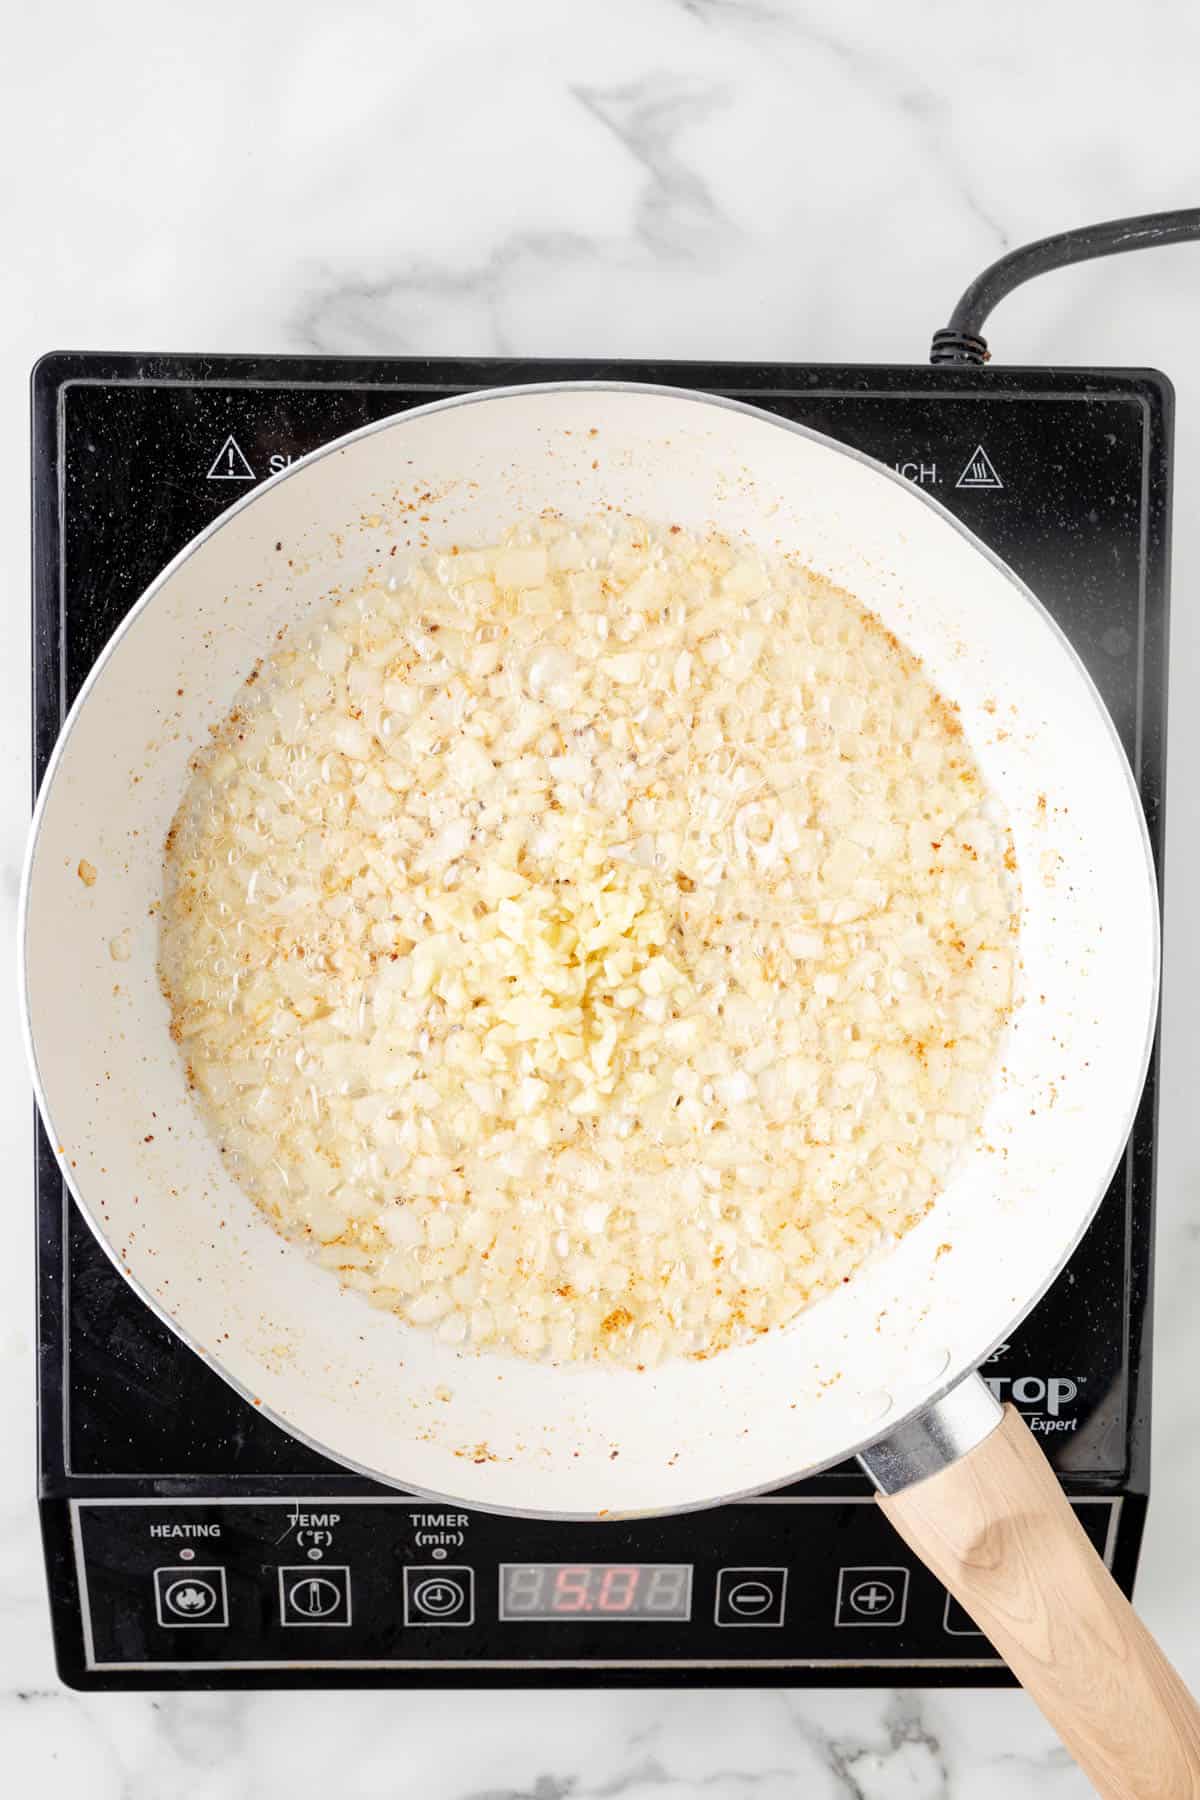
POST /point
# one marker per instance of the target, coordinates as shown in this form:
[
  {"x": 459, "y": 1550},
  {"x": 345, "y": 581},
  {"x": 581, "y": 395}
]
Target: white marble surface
[{"x": 771, "y": 178}]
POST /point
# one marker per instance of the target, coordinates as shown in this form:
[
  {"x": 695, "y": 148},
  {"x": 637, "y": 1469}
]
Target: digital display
[{"x": 595, "y": 1590}]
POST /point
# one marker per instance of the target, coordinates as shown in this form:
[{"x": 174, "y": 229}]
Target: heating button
[
  {"x": 190, "y": 1596},
  {"x": 751, "y": 1596}
]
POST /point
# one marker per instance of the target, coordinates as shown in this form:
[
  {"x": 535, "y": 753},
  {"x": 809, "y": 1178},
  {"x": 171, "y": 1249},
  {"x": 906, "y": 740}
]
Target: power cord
[{"x": 962, "y": 340}]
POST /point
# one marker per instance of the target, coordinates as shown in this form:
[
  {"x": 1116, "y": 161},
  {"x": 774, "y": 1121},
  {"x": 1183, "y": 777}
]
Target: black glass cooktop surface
[{"x": 1065, "y": 474}]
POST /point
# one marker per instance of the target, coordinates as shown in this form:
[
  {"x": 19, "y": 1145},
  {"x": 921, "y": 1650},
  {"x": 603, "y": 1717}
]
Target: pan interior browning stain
[{"x": 131, "y": 460}]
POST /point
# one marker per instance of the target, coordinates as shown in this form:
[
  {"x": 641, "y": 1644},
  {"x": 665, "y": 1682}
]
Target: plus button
[{"x": 872, "y": 1596}]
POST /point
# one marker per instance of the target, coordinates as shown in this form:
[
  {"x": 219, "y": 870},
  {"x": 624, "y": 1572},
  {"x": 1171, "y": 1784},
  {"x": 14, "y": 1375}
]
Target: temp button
[
  {"x": 751, "y": 1596},
  {"x": 439, "y": 1595},
  {"x": 314, "y": 1594}
]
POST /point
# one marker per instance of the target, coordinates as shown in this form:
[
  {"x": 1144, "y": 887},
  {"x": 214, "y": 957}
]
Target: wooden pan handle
[{"x": 997, "y": 1530}]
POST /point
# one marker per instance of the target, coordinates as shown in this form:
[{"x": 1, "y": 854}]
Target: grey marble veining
[{"x": 772, "y": 178}]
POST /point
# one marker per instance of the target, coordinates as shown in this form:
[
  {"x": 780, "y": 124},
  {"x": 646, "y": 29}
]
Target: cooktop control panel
[{"x": 359, "y": 1584}]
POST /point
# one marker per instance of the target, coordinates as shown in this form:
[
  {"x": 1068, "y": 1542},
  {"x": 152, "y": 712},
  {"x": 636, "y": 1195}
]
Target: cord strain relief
[{"x": 950, "y": 346}]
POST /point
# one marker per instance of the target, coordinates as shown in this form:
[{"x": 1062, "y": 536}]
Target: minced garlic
[{"x": 595, "y": 944}]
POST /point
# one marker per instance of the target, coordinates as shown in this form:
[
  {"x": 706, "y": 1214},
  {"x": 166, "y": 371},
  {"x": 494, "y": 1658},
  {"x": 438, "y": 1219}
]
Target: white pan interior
[{"x": 484, "y": 1429}]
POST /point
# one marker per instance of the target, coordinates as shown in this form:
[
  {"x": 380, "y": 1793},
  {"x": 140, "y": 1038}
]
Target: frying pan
[{"x": 883, "y": 1367}]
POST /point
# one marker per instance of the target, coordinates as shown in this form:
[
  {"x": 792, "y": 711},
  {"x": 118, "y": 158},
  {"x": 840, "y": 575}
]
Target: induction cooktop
[{"x": 190, "y": 1542}]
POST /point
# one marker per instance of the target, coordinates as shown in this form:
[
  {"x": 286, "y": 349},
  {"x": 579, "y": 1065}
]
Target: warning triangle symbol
[
  {"x": 980, "y": 471},
  {"x": 229, "y": 464}
]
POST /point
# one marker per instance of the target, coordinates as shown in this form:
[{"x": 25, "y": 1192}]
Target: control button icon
[
  {"x": 872, "y": 1598},
  {"x": 309, "y": 1596},
  {"x": 750, "y": 1596},
  {"x": 190, "y": 1596},
  {"x": 749, "y": 1599},
  {"x": 957, "y": 1622},
  {"x": 439, "y": 1595},
  {"x": 872, "y": 1595}
]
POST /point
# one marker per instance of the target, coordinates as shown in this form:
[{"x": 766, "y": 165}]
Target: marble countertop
[{"x": 710, "y": 178}]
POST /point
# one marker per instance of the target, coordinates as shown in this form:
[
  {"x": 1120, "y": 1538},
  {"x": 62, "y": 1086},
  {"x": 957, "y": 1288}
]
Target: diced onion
[{"x": 592, "y": 945}]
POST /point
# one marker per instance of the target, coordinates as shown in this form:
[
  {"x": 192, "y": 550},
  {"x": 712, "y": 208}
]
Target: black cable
[{"x": 962, "y": 341}]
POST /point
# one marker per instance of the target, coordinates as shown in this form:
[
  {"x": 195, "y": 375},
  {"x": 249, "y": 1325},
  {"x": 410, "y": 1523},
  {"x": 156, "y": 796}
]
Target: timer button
[
  {"x": 751, "y": 1596},
  {"x": 439, "y": 1595}
]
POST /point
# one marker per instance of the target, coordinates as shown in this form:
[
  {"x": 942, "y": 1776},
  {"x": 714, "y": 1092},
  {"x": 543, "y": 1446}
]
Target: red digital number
[
  {"x": 571, "y": 1591},
  {"x": 617, "y": 1590}
]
